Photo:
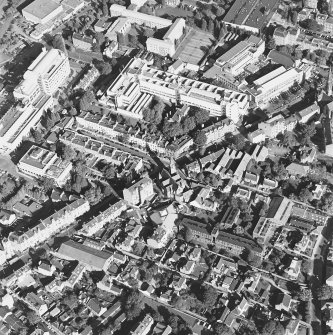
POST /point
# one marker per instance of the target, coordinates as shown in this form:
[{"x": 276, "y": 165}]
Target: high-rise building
[{"x": 44, "y": 76}]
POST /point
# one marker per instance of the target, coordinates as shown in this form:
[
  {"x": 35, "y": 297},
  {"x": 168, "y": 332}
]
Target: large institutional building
[
  {"x": 44, "y": 76},
  {"x": 274, "y": 83},
  {"x": 134, "y": 88},
  {"x": 41, "y": 11},
  {"x": 139, "y": 18},
  {"x": 39, "y": 162},
  {"x": 167, "y": 46},
  {"x": 34, "y": 95}
]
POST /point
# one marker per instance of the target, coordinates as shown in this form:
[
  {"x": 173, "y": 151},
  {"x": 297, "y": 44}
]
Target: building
[
  {"x": 139, "y": 18},
  {"x": 101, "y": 25},
  {"x": 250, "y": 15},
  {"x": 256, "y": 136},
  {"x": 44, "y": 76},
  {"x": 41, "y": 12},
  {"x": 88, "y": 78},
  {"x": 144, "y": 326},
  {"x": 295, "y": 169},
  {"x": 18, "y": 242},
  {"x": 84, "y": 43},
  {"x": 135, "y": 86},
  {"x": 278, "y": 214},
  {"x": 168, "y": 44},
  {"x": 215, "y": 132},
  {"x": 242, "y": 54},
  {"x": 121, "y": 26},
  {"x": 139, "y": 192},
  {"x": 311, "y": 4},
  {"x": 7, "y": 217},
  {"x": 273, "y": 84},
  {"x": 39, "y": 163},
  {"x": 91, "y": 258},
  {"x": 236, "y": 244},
  {"x": 293, "y": 36},
  {"x": 98, "y": 222}
]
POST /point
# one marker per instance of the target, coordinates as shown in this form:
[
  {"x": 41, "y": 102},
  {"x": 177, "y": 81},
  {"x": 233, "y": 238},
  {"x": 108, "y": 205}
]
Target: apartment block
[
  {"x": 121, "y": 26},
  {"x": 18, "y": 242},
  {"x": 273, "y": 84},
  {"x": 168, "y": 44},
  {"x": 44, "y": 76},
  {"x": 242, "y": 54},
  {"x": 39, "y": 162},
  {"x": 217, "y": 131},
  {"x": 139, "y": 18},
  {"x": 98, "y": 222},
  {"x": 139, "y": 192}
]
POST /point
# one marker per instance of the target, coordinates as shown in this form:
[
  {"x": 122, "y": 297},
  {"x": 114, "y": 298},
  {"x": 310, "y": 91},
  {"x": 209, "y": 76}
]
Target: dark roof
[
  {"x": 239, "y": 241},
  {"x": 281, "y": 58},
  {"x": 196, "y": 225},
  {"x": 84, "y": 254}
]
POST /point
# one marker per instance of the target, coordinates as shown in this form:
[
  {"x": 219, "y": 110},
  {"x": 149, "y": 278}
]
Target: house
[
  {"x": 7, "y": 217},
  {"x": 294, "y": 269},
  {"x": 95, "y": 307},
  {"x": 284, "y": 302},
  {"x": 256, "y": 136},
  {"x": 195, "y": 254},
  {"x": 292, "y": 327},
  {"x": 318, "y": 192},
  {"x": 84, "y": 43},
  {"x": 201, "y": 231},
  {"x": 295, "y": 169},
  {"x": 38, "y": 304},
  {"x": 46, "y": 269},
  {"x": 243, "y": 307},
  {"x": 112, "y": 311},
  {"x": 144, "y": 326},
  {"x": 188, "y": 267}
]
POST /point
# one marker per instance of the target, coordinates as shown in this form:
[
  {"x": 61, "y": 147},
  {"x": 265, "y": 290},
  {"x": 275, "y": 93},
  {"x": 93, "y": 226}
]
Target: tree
[
  {"x": 203, "y": 24},
  {"x": 209, "y": 296},
  {"x": 32, "y": 317},
  {"x": 304, "y": 294},
  {"x": 211, "y": 26},
  {"x": 273, "y": 328},
  {"x": 37, "y": 135},
  {"x": 47, "y": 184},
  {"x": 311, "y": 24},
  {"x": 59, "y": 43},
  {"x": 294, "y": 16},
  {"x": 305, "y": 195},
  {"x": 324, "y": 292},
  {"x": 200, "y": 138},
  {"x": 105, "y": 8},
  {"x": 219, "y": 11},
  {"x": 222, "y": 329},
  {"x": 67, "y": 153},
  {"x": 305, "y": 132},
  {"x": 287, "y": 139},
  {"x": 133, "y": 304},
  {"x": 109, "y": 172},
  {"x": 172, "y": 129},
  {"x": 188, "y": 235}
]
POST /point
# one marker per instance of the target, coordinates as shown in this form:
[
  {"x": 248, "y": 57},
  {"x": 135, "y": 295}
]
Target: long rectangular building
[
  {"x": 139, "y": 78},
  {"x": 139, "y": 18}
]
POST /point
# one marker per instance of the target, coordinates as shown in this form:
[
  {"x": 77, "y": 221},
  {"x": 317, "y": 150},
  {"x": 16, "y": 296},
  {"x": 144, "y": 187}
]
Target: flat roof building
[
  {"x": 139, "y": 18},
  {"x": 40, "y": 162},
  {"x": 41, "y": 11}
]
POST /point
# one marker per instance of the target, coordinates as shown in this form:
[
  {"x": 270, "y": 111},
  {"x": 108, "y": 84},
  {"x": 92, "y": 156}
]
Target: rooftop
[{"x": 41, "y": 8}]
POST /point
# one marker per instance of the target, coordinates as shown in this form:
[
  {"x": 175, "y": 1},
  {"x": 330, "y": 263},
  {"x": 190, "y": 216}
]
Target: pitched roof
[{"x": 84, "y": 254}]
